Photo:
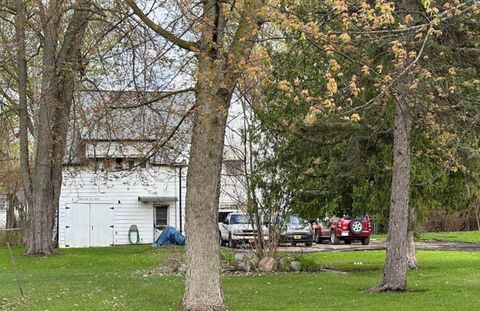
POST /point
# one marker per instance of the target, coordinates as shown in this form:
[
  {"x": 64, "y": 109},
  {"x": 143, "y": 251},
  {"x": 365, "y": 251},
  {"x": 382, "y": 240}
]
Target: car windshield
[
  {"x": 239, "y": 219},
  {"x": 222, "y": 216},
  {"x": 294, "y": 220}
]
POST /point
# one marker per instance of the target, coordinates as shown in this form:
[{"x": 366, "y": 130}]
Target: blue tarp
[{"x": 170, "y": 236}]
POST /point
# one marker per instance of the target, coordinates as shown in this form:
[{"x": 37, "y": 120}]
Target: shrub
[
  {"x": 308, "y": 264},
  {"x": 228, "y": 257}
]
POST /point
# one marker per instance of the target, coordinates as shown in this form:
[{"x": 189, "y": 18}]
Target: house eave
[{"x": 157, "y": 199}]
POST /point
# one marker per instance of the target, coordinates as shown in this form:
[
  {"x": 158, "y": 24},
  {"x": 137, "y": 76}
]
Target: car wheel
[
  {"x": 333, "y": 238},
  {"x": 294, "y": 244},
  {"x": 231, "y": 242},
  {"x": 348, "y": 241},
  {"x": 366, "y": 241},
  {"x": 356, "y": 226},
  {"x": 308, "y": 244},
  {"x": 220, "y": 240}
]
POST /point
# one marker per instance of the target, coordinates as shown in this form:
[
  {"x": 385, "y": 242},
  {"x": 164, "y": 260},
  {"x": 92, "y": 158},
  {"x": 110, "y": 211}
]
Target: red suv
[{"x": 345, "y": 228}]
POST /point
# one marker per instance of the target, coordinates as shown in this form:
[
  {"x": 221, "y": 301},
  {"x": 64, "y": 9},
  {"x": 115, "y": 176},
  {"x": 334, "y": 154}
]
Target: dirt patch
[
  {"x": 381, "y": 245},
  {"x": 437, "y": 245}
]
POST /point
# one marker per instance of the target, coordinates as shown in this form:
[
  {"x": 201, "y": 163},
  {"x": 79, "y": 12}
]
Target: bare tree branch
[
  {"x": 160, "y": 97},
  {"x": 187, "y": 45}
]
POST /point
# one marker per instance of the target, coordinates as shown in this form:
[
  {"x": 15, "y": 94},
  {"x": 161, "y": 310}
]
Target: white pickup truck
[{"x": 236, "y": 229}]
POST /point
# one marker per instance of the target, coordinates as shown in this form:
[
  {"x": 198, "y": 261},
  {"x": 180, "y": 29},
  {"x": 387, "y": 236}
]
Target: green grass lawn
[
  {"x": 105, "y": 279},
  {"x": 460, "y": 236},
  {"x": 378, "y": 237}
]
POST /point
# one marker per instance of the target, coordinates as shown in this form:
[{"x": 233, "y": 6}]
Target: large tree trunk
[
  {"x": 411, "y": 253},
  {"x": 219, "y": 63},
  {"x": 58, "y": 75},
  {"x": 50, "y": 150},
  {"x": 40, "y": 216},
  {"x": 395, "y": 270},
  {"x": 203, "y": 289},
  {"x": 22, "y": 102},
  {"x": 400, "y": 239},
  {"x": 217, "y": 74}
]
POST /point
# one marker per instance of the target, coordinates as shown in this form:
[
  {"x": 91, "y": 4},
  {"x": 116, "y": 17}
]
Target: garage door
[{"x": 88, "y": 225}]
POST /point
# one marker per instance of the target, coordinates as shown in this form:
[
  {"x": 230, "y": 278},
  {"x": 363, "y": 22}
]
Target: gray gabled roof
[{"x": 116, "y": 122}]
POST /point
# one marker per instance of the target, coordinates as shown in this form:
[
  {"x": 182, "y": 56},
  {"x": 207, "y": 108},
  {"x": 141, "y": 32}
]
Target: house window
[
  {"x": 161, "y": 216},
  {"x": 118, "y": 163},
  {"x": 97, "y": 164},
  {"x": 131, "y": 164},
  {"x": 107, "y": 164}
]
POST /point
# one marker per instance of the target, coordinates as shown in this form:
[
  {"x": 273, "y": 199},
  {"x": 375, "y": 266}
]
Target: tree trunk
[
  {"x": 411, "y": 253},
  {"x": 38, "y": 233},
  {"x": 203, "y": 289},
  {"x": 10, "y": 217},
  {"x": 219, "y": 63},
  {"x": 217, "y": 74},
  {"x": 22, "y": 102},
  {"x": 258, "y": 225},
  {"x": 252, "y": 201},
  {"x": 477, "y": 216},
  {"x": 40, "y": 218},
  {"x": 50, "y": 151},
  {"x": 58, "y": 78},
  {"x": 476, "y": 209},
  {"x": 395, "y": 270}
]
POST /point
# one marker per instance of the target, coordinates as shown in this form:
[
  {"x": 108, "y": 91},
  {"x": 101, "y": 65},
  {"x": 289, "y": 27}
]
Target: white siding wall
[
  {"x": 121, "y": 190},
  {"x": 3, "y": 218},
  {"x": 233, "y": 193},
  {"x": 3, "y": 211}
]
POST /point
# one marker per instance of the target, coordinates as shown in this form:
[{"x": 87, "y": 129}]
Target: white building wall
[
  {"x": 3, "y": 211},
  {"x": 121, "y": 191},
  {"x": 233, "y": 191},
  {"x": 3, "y": 218}
]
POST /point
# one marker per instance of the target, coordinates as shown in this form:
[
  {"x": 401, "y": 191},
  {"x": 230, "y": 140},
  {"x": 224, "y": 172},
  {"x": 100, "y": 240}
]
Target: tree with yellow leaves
[{"x": 373, "y": 57}]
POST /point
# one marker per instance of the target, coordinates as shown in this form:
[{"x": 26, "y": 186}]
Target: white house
[
  {"x": 126, "y": 168},
  {"x": 3, "y": 211}
]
